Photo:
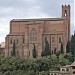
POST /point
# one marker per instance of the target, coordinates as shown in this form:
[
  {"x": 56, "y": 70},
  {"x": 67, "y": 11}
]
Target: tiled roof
[
  {"x": 73, "y": 64},
  {"x": 15, "y": 34},
  {"x": 67, "y": 66}
]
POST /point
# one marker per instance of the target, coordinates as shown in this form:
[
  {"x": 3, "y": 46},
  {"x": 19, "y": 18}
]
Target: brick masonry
[{"x": 27, "y": 32}]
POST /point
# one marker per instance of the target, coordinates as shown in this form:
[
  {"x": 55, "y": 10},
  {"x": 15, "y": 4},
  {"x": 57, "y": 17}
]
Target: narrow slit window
[
  {"x": 59, "y": 39},
  {"x": 52, "y": 39},
  {"x": 11, "y": 41},
  {"x": 23, "y": 40}
]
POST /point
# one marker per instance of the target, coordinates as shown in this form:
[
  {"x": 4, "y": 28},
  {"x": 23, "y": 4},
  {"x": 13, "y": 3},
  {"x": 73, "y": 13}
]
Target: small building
[
  {"x": 2, "y": 48},
  {"x": 65, "y": 70}
]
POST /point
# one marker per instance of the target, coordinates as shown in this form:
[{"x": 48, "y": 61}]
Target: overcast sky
[{"x": 18, "y": 9}]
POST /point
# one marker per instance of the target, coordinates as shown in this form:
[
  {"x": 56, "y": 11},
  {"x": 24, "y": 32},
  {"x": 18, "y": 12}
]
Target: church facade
[{"x": 29, "y": 32}]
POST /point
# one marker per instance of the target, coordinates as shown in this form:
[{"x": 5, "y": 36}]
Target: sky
[{"x": 22, "y": 9}]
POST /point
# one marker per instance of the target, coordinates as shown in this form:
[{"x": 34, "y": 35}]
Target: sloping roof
[
  {"x": 15, "y": 34},
  {"x": 39, "y": 19},
  {"x": 2, "y": 45},
  {"x": 67, "y": 66},
  {"x": 73, "y": 64}
]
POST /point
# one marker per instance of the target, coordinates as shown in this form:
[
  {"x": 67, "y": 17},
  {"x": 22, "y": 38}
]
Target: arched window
[
  {"x": 65, "y": 14},
  {"x": 67, "y": 69},
  {"x": 29, "y": 53},
  {"x": 10, "y": 41},
  {"x": 33, "y": 35},
  {"x": 59, "y": 39},
  {"x": 17, "y": 41},
  {"x": 73, "y": 72},
  {"x": 23, "y": 40}
]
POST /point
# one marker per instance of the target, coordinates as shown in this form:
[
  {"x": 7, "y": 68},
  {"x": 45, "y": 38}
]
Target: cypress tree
[
  {"x": 47, "y": 48},
  {"x": 43, "y": 54},
  {"x": 68, "y": 46},
  {"x": 55, "y": 51},
  {"x": 14, "y": 49},
  {"x": 34, "y": 52},
  {"x": 73, "y": 46},
  {"x": 62, "y": 51}
]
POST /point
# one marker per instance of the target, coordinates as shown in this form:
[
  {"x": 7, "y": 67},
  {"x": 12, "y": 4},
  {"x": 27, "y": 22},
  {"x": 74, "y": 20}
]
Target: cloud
[
  {"x": 13, "y": 9},
  {"x": 74, "y": 15}
]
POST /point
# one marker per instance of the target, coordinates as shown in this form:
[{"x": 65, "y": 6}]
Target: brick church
[{"x": 29, "y": 32}]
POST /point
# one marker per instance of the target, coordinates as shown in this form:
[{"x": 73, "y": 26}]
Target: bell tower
[{"x": 66, "y": 15}]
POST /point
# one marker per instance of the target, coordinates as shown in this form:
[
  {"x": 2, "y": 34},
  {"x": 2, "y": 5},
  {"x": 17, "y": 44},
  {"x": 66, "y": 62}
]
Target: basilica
[{"x": 29, "y": 32}]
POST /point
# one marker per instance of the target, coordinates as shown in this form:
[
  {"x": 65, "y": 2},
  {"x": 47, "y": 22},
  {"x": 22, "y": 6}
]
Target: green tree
[
  {"x": 73, "y": 46},
  {"x": 58, "y": 54},
  {"x": 17, "y": 66},
  {"x": 47, "y": 48},
  {"x": 68, "y": 46},
  {"x": 62, "y": 50},
  {"x": 14, "y": 49},
  {"x": 34, "y": 52},
  {"x": 55, "y": 51},
  {"x": 69, "y": 56},
  {"x": 43, "y": 54}
]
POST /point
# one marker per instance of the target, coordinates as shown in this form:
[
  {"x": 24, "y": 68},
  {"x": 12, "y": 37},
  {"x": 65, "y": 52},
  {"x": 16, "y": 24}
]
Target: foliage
[
  {"x": 57, "y": 54},
  {"x": 68, "y": 46},
  {"x": 73, "y": 46},
  {"x": 44, "y": 73},
  {"x": 69, "y": 56},
  {"x": 34, "y": 52},
  {"x": 41, "y": 66},
  {"x": 62, "y": 50},
  {"x": 14, "y": 49},
  {"x": 47, "y": 50}
]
